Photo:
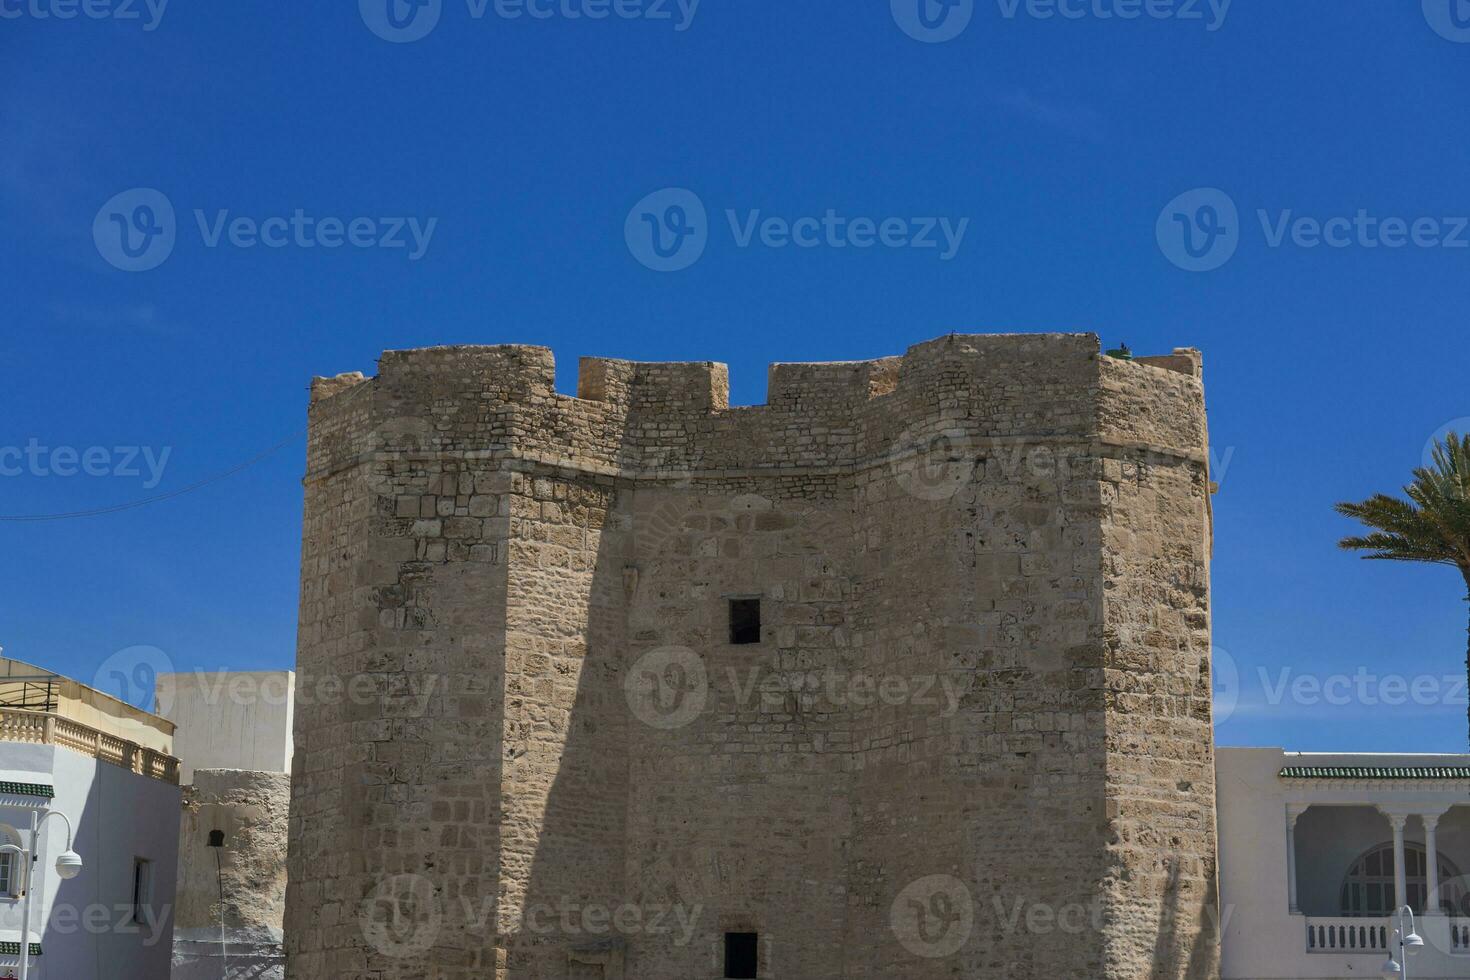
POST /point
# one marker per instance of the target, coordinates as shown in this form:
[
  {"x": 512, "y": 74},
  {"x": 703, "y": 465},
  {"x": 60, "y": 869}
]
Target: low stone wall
[{"x": 247, "y": 875}]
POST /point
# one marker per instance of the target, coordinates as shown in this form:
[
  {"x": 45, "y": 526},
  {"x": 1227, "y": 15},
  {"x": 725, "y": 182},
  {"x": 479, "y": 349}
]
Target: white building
[
  {"x": 109, "y": 768},
  {"x": 1316, "y": 851},
  {"x": 230, "y": 719}
]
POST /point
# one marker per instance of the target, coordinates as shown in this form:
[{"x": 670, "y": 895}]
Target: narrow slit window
[
  {"x": 741, "y": 955},
  {"x": 142, "y": 888},
  {"x": 745, "y": 622}
]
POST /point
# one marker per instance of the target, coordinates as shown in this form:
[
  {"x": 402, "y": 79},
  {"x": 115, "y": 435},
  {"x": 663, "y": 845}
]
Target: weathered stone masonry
[{"x": 1015, "y": 521}]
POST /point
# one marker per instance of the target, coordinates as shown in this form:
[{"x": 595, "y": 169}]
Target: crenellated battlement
[
  {"x": 652, "y": 387},
  {"x": 631, "y": 416}
]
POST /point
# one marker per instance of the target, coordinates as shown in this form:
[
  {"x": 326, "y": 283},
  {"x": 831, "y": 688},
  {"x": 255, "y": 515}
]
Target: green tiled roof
[
  {"x": 1376, "y": 772},
  {"x": 13, "y": 949},
  {"x": 26, "y": 789}
]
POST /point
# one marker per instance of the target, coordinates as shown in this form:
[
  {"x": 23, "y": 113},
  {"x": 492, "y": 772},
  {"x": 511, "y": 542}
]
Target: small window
[
  {"x": 745, "y": 621},
  {"x": 10, "y": 865},
  {"x": 142, "y": 888},
  {"x": 741, "y": 955}
]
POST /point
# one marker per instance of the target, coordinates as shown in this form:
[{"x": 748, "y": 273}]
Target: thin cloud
[
  {"x": 1072, "y": 119},
  {"x": 137, "y": 317}
]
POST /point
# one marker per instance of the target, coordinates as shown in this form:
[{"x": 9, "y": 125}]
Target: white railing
[
  {"x": 1348, "y": 935},
  {"x": 1459, "y": 937},
  {"x": 45, "y": 728}
]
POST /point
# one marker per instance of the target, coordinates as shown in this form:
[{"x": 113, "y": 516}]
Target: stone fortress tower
[{"x": 903, "y": 674}]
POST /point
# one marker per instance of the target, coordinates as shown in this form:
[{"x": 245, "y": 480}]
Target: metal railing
[
  {"x": 40, "y": 692},
  {"x": 46, "y": 728}
]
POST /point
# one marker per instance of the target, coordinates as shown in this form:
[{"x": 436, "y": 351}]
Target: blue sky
[{"x": 519, "y": 146}]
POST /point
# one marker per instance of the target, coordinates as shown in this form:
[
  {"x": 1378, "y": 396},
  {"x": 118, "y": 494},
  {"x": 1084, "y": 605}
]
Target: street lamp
[
  {"x": 68, "y": 865},
  {"x": 1408, "y": 943}
]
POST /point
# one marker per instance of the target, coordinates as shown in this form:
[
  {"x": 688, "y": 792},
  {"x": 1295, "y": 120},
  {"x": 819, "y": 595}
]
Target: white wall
[
  {"x": 88, "y": 933},
  {"x": 230, "y": 720}
]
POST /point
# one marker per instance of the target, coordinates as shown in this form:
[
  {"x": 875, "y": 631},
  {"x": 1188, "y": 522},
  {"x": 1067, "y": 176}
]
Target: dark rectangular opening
[
  {"x": 745, "y": 621},
  {"x": 142, "y": 888},
  {"x": 741, "y": 957}
]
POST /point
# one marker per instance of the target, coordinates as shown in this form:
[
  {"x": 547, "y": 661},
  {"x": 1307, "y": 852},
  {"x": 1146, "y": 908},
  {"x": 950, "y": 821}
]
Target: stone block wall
[{"x": 972, "y": 739}]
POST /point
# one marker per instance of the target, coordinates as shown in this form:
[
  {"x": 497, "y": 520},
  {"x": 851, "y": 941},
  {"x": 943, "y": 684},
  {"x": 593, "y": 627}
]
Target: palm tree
[{"x": 1433, "y": 525}]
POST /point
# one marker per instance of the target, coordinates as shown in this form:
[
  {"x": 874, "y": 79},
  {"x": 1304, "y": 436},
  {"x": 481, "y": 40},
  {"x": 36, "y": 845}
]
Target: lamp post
[
  {"x": 1408, "y": 943},
  {"x": 68, "y": 865}
]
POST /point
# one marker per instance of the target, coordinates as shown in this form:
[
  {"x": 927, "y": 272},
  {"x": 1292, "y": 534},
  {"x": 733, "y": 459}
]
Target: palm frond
[{"x": 1432, "y": 525}]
